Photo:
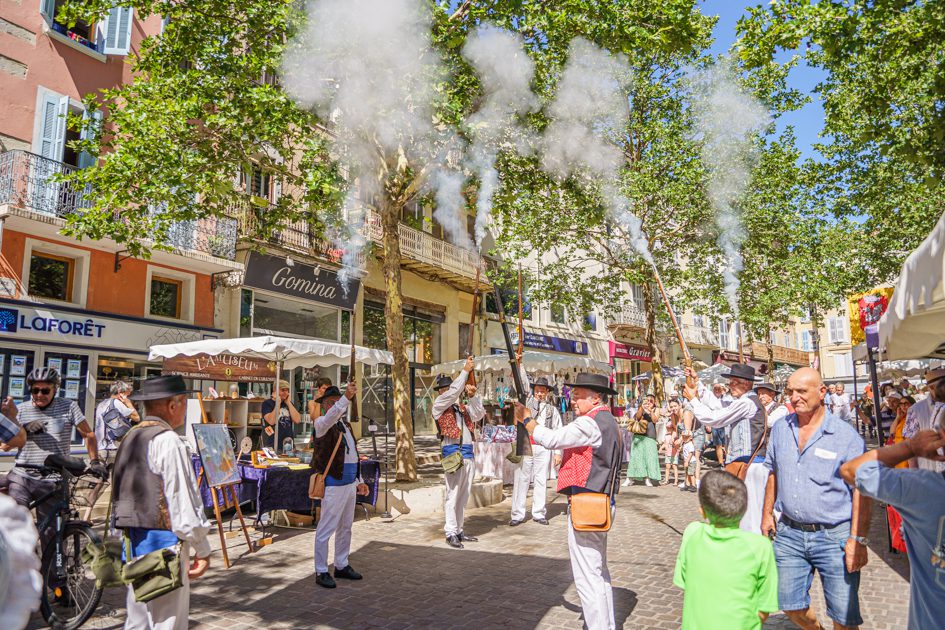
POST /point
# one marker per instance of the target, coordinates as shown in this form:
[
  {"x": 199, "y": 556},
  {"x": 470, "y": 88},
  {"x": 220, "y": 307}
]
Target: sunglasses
[{"x": 41, "y": 390}]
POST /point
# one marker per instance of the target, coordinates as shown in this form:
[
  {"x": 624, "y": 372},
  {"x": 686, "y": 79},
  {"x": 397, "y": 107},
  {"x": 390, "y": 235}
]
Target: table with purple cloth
[{"x": 280, "y": 488}]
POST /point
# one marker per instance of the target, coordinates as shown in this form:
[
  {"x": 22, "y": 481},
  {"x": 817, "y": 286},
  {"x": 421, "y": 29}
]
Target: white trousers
[
  {"x": 755, "y": 482},
  {"x": 533, "y": 469},
  {"x": 592, "y": 577},
  {"x": 458, "y": 486},
  {"x": 167, "y": 612},
  {"x": 337, "y": 515}
]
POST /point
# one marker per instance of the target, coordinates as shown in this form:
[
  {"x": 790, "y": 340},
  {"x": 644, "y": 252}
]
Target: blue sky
[{"x": 809, "y": 120}]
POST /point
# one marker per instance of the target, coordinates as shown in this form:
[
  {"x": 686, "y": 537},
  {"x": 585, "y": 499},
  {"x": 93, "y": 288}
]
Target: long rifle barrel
[
  {"x": 472, "y": 325},
  {"x": 687, "y": 358},
  {"x": 516, "y": 376}
]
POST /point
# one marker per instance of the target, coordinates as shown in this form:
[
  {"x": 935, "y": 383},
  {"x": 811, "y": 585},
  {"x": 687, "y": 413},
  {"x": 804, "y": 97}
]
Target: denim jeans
[{"x": 799, "y": 553}]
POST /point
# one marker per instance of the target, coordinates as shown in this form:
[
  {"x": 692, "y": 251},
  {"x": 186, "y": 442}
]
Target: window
[
  {"x": 274, "y": 315},
  {"x": 836, "y": 329},
  {"x": 590, "y": 322},
  {"x": 557, "y": 314},
  {"x": 53, "y": 137},
  {"x": 51, "y": 276},
  {"x": 112, "y": 36},
  {"x": 166, "y": 296},
  {"x": 698, "y": 321},
  {"x": 421, "y": 333},
  {"x": 807, "y": 344},
  {"x": 636, "y": 294},
  {"x": 257, "y": 183},
  {"x": 723, "y": 334},
  {"x": 843, "y": 364}
]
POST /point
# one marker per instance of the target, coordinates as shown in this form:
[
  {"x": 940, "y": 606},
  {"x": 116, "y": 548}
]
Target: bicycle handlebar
[{"x": 58, "y": 463}]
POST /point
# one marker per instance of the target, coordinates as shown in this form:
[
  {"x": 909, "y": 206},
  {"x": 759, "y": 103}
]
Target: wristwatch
[{"x": 863, "y": 540}]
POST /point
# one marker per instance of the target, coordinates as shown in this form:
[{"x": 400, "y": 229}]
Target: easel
[{"x": 229, "y": 500}]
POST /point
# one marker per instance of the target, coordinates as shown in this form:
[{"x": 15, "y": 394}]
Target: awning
[
  {"x": 546, "y": 362},
  {"x": 290, "y": 352},
  {"x": 913, "y": 326}
]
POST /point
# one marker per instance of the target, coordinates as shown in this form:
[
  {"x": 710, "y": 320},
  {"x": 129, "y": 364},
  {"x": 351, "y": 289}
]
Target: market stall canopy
[
  {"x": 546, "y": 362},
  {"x": 913, "y": 326},
  {"x": 668, "y": 372},
  {"x": 290, "y": 352},
  {"x": 904, "y": 369},
  {"x": 712, "y": 375}
]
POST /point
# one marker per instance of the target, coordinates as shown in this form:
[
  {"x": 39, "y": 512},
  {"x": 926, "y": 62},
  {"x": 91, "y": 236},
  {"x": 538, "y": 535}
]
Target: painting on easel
[{"x": 216, "y": 454}]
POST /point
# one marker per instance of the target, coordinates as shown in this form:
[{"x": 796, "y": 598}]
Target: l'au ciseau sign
[
  {"x": 299, "y": 280},
  {"x": 222, "y": 367}
]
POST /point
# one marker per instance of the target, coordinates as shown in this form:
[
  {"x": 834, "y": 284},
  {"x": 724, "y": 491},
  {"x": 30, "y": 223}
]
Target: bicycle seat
[{"x": 61, "y": 463}]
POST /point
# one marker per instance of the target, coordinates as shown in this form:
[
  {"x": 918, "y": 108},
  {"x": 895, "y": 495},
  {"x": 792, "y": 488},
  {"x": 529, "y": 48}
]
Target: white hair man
[
  {"x": 114, "y": 417},
  {"x": 926, "y": 414},
  {"x": 768, "y": 394}
]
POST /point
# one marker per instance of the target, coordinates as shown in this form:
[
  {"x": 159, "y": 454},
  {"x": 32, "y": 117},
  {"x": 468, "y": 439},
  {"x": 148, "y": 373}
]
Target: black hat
[
  {"x": 769, "y": 385},
  {"x": 442, "y": 382},
  {"x": 740, "y": 370},
  {"x": 597, "y": 382},
  {"x": 160, "y": 387},
  {"x": 329, "y": 391},
  {"x": 541, "y": 380}
]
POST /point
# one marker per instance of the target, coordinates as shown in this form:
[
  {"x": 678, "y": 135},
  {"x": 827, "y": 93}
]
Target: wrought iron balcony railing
[{"x": 31, "y": 184}]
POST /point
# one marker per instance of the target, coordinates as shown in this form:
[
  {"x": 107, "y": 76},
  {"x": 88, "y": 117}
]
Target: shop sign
[
  {"x": 631, "y": 353},
  {"x": 546, "y": 342},
  {"x": 299, "y": 280},
  {"x": 224, "y": 367},
  {"x": 21, "y": 321}
]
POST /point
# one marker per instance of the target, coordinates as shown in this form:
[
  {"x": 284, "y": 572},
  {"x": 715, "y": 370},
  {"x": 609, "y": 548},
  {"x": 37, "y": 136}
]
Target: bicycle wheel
[{"x": 69, "y": 601}]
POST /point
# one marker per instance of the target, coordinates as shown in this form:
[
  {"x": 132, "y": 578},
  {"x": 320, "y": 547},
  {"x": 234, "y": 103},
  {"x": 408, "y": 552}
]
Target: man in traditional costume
[
  {"x": 534, "y": 468},
  {"x": 456, "y": 430},
  {"x": 746, "y": 426},
  {"x": 592, "y": 457},
  {"x": 768, "y": 394}
]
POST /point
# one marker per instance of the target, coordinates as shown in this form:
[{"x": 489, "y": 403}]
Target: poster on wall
[
  {"x": 72, "y": 390},
  {"x": 18, "y": 365},
  {"x": 74, "y": 368},
  {"x": 54, "y": 364},
  {"x": 16, "y": 387}
]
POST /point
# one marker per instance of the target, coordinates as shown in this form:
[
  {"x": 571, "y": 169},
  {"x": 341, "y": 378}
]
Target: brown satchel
[
  {"x": 592, "y": 511},
  {"x": 740, "y": 469},
  {"x": 316, "y": 483}
]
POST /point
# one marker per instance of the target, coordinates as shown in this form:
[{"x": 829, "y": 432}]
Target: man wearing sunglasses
[{"x": 48, "y": 422}]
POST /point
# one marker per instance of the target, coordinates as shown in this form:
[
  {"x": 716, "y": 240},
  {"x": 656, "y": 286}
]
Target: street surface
[{"x": 511, "y": 578}]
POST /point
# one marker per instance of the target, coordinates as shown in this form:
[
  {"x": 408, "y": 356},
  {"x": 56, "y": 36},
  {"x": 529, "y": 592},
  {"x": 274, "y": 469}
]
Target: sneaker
[
  {"x": 325, "y": 579},
  {"x": 626, "y": 482},
  {"x": 682, "y": 484},
  {"x": 648, "y": 482}
]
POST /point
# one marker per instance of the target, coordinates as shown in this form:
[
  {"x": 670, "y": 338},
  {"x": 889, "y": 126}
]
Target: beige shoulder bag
[{"x": 316, "y": 483}]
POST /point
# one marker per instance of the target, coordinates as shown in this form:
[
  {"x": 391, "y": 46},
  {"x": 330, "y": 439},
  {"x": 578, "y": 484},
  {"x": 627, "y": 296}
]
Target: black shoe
[
  {"x": 348, "y": 573},
  {"x": 541, "y": 521},
  {"x": 325, "y": 579},
  {"x": 515, "y": 522},
  {"x": 693, "y": 489},
  {"x": 464, "y": 538},
  {"x": 453, "y": 541}
]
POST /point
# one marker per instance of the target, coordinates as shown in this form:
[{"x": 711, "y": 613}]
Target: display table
[
  {"x": 491, "y": 462},
  {"x": 279, "y": 488}
]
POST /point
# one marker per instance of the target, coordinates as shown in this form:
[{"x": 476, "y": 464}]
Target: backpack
[{"x": 116, "y": 425}]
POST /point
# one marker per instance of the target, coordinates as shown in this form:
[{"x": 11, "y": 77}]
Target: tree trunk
[
  {"x": 406, "y": 461},
  {"x": 815, "y": 337},
  {"x": 656, "y": 365},
  {"x": 770, "y": 349}
]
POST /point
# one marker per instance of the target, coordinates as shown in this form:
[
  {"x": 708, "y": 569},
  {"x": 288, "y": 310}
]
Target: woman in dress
[{"x": 644, "y": 459}]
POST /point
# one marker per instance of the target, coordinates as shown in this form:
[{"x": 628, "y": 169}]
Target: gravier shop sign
[
  {"x": 223, "y": 367},
  {"x": 299, "y": 280}
]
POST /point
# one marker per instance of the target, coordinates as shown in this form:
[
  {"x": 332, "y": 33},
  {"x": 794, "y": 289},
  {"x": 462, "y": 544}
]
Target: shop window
[
  {"x": 166, "y": 296},
  {"x": 421, "y": 333},
  {"x": 274, "y": 315},
  {"x": 51, "y": 276},
  {"x": 557, "y": 314}
]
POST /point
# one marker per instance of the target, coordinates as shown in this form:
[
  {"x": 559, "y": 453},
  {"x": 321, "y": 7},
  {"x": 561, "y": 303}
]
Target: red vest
[
  {"x": 448, "y": 426},
  {"x": 576, "y": 463}
]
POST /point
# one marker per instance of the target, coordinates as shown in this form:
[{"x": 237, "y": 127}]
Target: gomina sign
[
  {"x": 223, "y": 367},
  {"x": 299, "y": 280}
]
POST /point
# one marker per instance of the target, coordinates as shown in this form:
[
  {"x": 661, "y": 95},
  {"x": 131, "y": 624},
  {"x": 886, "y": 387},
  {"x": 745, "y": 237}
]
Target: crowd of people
[{"x": 789, "y": 495}]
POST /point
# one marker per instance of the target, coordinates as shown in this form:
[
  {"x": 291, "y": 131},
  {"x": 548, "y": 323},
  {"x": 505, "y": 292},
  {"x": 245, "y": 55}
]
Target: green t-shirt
[{"x": 729, "y": 575}]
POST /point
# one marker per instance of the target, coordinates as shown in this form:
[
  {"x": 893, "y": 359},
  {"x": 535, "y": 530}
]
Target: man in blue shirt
[
  {"x": 822, "y": 519},
  {"x": 919, "y": 496}
]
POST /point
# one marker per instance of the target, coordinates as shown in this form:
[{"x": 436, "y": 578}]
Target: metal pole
[
  {"x": 856, "y": 414},
  {"x": 874, "y": 380},
  {"x": 277, "y": 448}
]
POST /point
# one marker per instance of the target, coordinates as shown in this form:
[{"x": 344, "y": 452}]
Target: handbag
[
  {"x": 593, "y": 511},
  {"x": 153, "y": 574},
  {"x": 104, "y": 558},
  {"x": 316, "y": 483},
  {"x": 740, "y": 469}
]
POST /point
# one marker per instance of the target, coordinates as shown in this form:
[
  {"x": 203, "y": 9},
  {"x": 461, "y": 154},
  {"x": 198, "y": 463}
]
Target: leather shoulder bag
[
  {"x": 316, "y": 483},
  {"x": 593, "y": 511},
  {"x": 740, "y": 469}
]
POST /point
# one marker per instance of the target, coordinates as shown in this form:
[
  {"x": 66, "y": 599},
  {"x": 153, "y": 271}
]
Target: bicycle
[{"x": 70, "y": 594}]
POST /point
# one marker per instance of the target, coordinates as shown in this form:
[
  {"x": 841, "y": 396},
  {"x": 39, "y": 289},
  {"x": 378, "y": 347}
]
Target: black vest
[
  {"x": 604, "y": 458},
  {"x": 323, "y": 446},
  {"x": 758, "y": 425},
  {"x": 137, "y": 493}
]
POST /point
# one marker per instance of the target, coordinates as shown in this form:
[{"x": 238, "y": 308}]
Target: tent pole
[
  {"x": 874, "y": 379},
  {"x": 277, "y": 447}
]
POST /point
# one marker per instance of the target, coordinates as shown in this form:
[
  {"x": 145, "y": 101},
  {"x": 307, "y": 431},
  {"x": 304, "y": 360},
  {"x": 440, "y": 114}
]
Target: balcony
[
  {"x": 700, "y": 336},
  {"x": 782, "y": 354},
  {"x": 30, "y": 193},
  {"x": 295, "y": 236}
]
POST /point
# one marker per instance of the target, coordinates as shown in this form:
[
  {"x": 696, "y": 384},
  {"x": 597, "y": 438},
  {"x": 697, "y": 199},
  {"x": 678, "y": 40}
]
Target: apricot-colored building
[{"x": 84, "y": 307}]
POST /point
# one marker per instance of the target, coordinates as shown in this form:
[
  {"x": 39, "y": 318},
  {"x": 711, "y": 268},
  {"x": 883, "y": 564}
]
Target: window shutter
[
  {"x": 118, "y": 31},
  {"x": 48, "y": 8},
  {"x": 53, "y": 126},
  {"x": 85, "y": 159}
]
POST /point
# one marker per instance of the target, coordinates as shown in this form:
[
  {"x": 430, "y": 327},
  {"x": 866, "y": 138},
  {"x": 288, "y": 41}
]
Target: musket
[
  {"x": 687, "y": 358},
  {"x": 521, "y": 325},
  {"x": 352, "y": 376},
  {"x": 472, "y": 325},
  {"x": 516, "y": 376}
]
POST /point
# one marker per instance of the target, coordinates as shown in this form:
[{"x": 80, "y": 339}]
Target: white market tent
[
  {"x": 913, "y": 326},
  {"x": 546, "y": 362}
]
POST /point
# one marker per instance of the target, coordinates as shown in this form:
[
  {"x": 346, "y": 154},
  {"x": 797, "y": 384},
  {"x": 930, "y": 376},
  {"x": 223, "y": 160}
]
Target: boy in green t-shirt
[{"x": 729, "y": 575}]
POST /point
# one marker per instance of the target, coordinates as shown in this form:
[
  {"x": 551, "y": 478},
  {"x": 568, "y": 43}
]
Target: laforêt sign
[
  {"x": 222, "y": 367},
  {"x": 299, "y": 280}
]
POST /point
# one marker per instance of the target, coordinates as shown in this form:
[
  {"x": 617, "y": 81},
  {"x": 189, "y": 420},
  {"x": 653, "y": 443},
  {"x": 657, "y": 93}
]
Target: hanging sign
[
  {"x": 299, "y": 280},
  {"x": 223, "y": 367}
]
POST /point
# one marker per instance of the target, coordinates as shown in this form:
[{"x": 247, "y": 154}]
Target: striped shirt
[{"x": 59, "y": 417}]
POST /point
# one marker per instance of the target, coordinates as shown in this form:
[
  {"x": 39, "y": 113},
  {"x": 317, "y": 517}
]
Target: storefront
[
  {"x": 89, "y": 349},
  {"x": 286, "y": 297},
  {"x": 628, "y": 361}
]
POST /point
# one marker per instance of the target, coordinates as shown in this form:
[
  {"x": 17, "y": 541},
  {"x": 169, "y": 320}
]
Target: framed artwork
[
  {"x": 73, "y": 368},
  {"x": 18, "y": 365},
  {"x": 216, "y": 454},
  {"x": 55, "y": 364},
  {"x": 17, "y": 386},
  {"x": 72, "y": 390}
]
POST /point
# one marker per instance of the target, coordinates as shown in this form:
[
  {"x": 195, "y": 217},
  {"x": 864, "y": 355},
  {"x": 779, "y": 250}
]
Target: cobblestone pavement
[{"x": 511, "y": 578}]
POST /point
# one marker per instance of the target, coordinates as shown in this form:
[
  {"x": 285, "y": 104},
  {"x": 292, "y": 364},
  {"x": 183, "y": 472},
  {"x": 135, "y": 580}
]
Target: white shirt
[
  {"x": 713, "y": 413},
  {"x": 169, "y": 458},
  {"x": 775, "y": 413},
  {"x": 330, "y": 419},
  {"x": 583, "y": 431},
  {"x": 921, "y": 416},
  {"x": 840, "y": 404},
  {"x": 449, "y": 398}
]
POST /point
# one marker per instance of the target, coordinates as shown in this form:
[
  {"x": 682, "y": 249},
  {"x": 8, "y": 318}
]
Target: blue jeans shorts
[
  {"x": 799, "y": 553},
  {"x": 718, "y": 437}
]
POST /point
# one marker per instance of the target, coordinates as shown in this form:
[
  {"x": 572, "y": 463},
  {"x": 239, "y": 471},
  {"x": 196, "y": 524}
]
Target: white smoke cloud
[
  {"x": 726, "y": 119},
  {"x": 588, "y": 114},
  {"x": 449, "y": 206}
]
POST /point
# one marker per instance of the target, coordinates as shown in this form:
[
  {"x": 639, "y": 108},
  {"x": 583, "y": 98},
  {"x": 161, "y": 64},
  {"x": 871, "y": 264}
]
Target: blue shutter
[{"x": 48, "y": 8}]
